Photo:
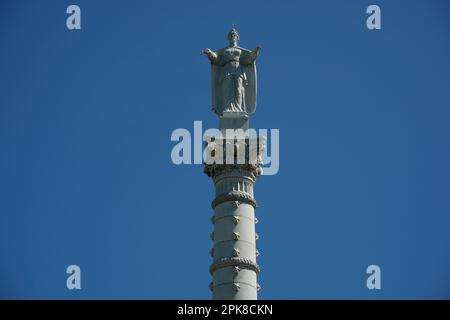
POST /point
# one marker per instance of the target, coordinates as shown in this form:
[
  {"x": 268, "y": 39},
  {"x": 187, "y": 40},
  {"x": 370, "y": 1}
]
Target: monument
[{"x": 234, "y": 162}]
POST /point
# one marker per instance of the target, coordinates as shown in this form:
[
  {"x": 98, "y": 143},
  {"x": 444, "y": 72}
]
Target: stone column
[
  {"x": 234, "y": 268},
  {"x": 233, "y": 75}
]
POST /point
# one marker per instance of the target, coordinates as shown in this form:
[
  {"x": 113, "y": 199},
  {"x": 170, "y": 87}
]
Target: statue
[{"x": 233, "y": 77}]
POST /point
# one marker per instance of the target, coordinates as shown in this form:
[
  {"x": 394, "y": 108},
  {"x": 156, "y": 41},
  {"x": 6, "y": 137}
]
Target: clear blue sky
[{"x": 85, "y": 170}]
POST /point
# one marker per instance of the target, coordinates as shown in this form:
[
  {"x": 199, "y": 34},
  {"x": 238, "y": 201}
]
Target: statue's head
[{"x": 233, "y": 36}]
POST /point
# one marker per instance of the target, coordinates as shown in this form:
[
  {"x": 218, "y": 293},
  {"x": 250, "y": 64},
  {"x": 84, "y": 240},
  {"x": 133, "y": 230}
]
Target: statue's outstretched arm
[
  {"x": 212, "y": 56},
  {"x": 254, "y": 54},
  {"x": 248, "y": 57}
]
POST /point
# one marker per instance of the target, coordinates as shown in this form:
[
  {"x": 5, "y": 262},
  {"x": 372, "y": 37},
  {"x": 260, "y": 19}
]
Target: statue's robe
[{"x": 230, "y": 82}]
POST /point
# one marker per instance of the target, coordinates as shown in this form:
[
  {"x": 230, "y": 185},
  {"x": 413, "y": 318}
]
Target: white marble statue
[{"x": 233, "y": 77}]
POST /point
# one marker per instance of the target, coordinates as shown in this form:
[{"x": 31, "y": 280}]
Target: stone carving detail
[
  {"x": 234, "y": 184},
  {"x": 236, "y": 219},
  {"x": 256, "y": 220},
  {"x": 234, "y": 196},
  {"x": 257, "y": 253},
  {"x": 236, "y": 270},
  {"x": 249, "y": 169},
  {"x": 236, "y": 236},
  {"x": 232, "y": 262},
  {"x": 256, "y": 236},
  {"x": 249, "y": 166},
  {"x": 235, "y": 204},
  {"x": 236, "y": 252},
  {"x": 236, "y": 287}
]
